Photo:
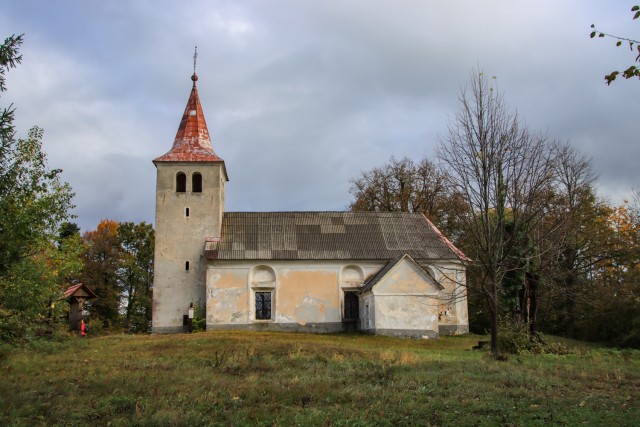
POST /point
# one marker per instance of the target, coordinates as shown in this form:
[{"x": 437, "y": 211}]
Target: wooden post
[{"x": 75, "y": 313}]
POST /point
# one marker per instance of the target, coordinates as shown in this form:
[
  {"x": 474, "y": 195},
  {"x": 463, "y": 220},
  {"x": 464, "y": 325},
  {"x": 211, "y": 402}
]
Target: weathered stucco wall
[
  {"x": 407, "y": 279},
  {"x": 309, "y": 296},
  {"x": 305, "y": 295},
  {"x": 406, "y": 302},
  {"x": 408, "y": 315},
  {"x": 453, "y": 312},
  {"x": 227, "y": 302},
  {"x": 180, "y": 238}
]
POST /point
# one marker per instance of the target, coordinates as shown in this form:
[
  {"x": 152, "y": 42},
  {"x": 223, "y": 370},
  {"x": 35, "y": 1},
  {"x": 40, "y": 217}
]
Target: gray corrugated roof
[{"x": 327, "y": 236}]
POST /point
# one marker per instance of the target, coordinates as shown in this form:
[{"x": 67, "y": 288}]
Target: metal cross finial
[{"x": 195, "y": 57}]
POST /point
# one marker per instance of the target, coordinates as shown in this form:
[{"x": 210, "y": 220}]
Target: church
[{"x": 388, "y": 273}]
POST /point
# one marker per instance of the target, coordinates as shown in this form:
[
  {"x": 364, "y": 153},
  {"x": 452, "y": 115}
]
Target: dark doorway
[{"x": 351, "y": 306}]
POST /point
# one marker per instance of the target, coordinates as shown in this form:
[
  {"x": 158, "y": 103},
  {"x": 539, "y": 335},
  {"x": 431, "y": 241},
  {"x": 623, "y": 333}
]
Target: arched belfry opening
[
  {"x": 196, "y": 182},
  {"x": 181, "y": 182}
]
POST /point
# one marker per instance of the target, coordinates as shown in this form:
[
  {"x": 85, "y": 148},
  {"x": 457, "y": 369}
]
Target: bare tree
[
  {"x": 407, "y": 186},
  {"x": 504, "y": 173},
  {"x": 399, "y": 186}
]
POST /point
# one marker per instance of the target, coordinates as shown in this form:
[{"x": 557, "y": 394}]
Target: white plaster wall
[
  {"x": 462, "y": 310},
  {"x": 367, "y": 312},
  {"x": 406, "y": 312}
]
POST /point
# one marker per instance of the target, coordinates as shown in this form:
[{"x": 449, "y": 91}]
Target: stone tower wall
[{"x": 180, "y": 238}]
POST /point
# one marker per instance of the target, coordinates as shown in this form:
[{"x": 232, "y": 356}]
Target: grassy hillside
[{"x": 244, "y": 378}]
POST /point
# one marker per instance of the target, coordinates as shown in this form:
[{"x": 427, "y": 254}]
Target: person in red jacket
[{"x": 83, "y": 329}]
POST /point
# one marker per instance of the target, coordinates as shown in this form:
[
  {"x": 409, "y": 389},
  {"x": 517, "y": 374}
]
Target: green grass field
[{"x": 247, "y": 378}]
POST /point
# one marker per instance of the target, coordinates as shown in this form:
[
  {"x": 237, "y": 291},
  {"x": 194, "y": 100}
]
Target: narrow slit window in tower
[
  {"x": 186, "y": 212},
  {"x": 186, "y": 266}
]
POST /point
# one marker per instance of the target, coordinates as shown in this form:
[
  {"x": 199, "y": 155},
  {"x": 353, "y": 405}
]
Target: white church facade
[{"x": 379, "y": 272}]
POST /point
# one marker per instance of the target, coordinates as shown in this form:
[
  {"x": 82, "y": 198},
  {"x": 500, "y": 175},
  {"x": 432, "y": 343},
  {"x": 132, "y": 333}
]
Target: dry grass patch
[{"x": 242, "y": 378}]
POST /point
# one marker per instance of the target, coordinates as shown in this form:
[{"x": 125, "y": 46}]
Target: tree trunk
[
  {"x": 533, "y": 281},
  {"x": 494, "y": 318},
  {"x": 569, "y": 285}
]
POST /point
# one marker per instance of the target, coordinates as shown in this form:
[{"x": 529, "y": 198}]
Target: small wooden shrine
[{"x": 76, "y": 295}]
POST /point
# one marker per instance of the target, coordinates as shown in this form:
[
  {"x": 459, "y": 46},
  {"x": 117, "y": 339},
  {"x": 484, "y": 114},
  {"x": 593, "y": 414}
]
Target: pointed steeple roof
[{"x": 192, "y": 143}]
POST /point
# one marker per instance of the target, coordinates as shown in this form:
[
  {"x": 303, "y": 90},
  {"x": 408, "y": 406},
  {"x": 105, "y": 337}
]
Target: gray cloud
[{"x": 302, "y": 96}]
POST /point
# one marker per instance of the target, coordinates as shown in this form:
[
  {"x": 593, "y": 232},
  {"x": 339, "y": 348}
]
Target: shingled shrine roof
[
  {"x": 328, "y": 236},
  {"x": 79, "y": 290}
]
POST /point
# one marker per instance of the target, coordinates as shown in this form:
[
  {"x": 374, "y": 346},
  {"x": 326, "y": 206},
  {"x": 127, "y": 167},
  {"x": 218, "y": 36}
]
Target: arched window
[
  {"x": 196, "y": 182},
  {"x": 263, "y": 305},
  {"x": 181, "y": 182},
  {"x": 263, "y": 284}
]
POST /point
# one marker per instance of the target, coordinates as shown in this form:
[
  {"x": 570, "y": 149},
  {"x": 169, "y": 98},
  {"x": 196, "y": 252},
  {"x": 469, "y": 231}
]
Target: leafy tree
[
  {"x": 632, "y": 71},
  {"x": 588, "y": 259},
  {"x": 136, "y": 273},
  {"x": 34, "y": 201},
  {"x": 101, "y": 263},
  {"x": 118, "y": 267},
  {"x": 34, "y": 284},
  {"x": 9, "y": 58},
  {"x": 574, "y": 246},
  {"x": 67, "y": 229},
  {"x": 503, "y": 172},
  {"x": 610, "y": 307}
]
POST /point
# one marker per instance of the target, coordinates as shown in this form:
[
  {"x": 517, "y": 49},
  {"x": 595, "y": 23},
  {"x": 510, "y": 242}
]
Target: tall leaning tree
[
  {"x": 34, "y": 202},
  {"x": 504, "y": 173}
]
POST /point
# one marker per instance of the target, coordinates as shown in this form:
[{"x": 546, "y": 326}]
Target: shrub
[
  {"x": 12, "y": 329},
  {"x": 632, "y": 338},
  {"x": 199, "y": 323},
  {"x": 514, "y": 338},
  {"x": 96, "y": 327}
]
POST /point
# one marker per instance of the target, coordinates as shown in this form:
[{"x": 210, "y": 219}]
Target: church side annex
[{"x": 379, "y": 272}]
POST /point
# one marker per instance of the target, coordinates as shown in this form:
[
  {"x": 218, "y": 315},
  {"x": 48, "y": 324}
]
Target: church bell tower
[{"x": 189, "y": 207}]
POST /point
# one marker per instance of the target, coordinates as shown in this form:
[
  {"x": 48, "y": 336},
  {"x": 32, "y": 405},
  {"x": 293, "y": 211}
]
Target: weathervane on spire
[{"x": 195, "y": 58}]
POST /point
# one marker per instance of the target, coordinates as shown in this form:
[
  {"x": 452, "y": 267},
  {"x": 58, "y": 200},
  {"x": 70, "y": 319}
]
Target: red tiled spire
[{"x": 192, "y": 143}]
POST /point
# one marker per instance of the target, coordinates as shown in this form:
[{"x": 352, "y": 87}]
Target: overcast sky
[{"x": 302, "y": 96}]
